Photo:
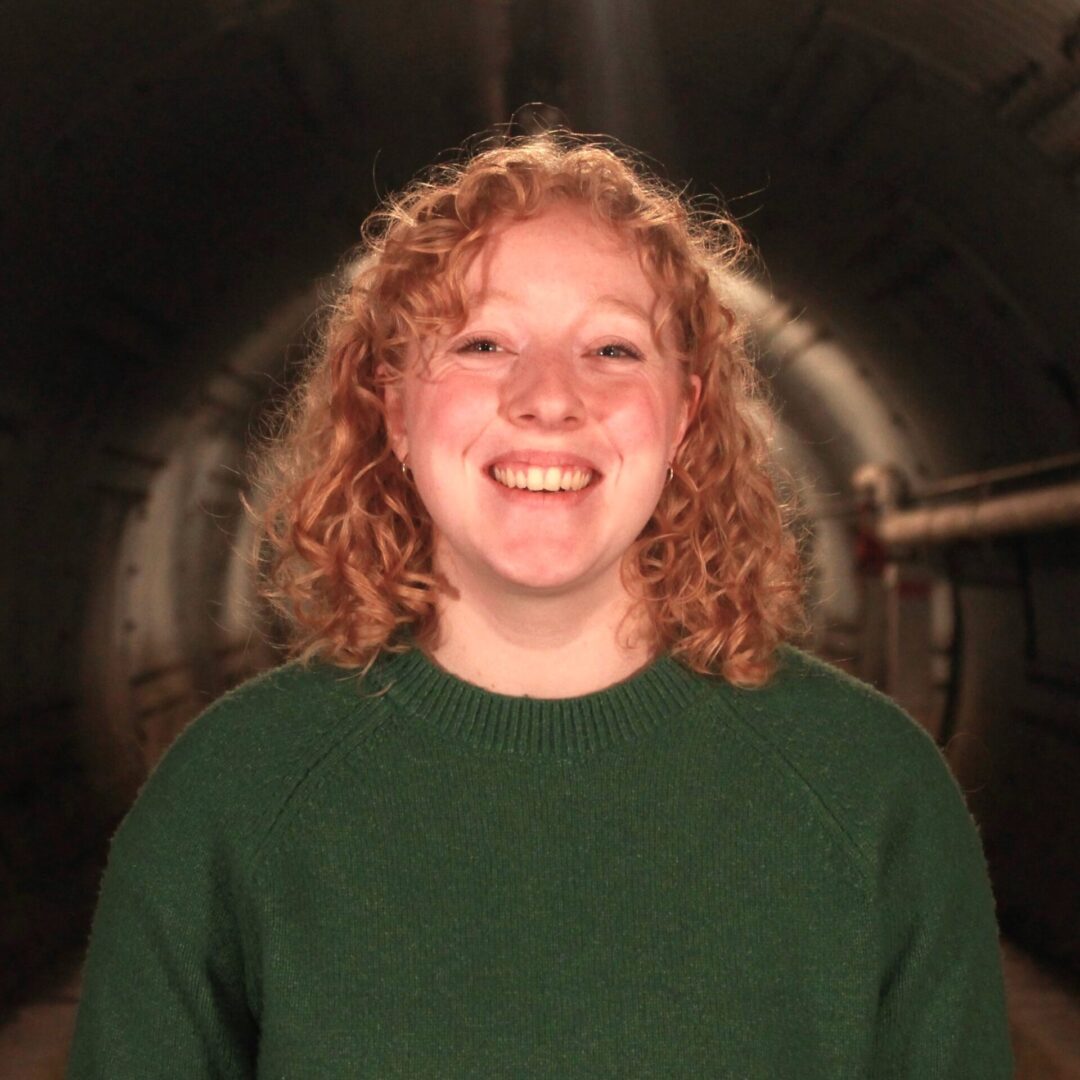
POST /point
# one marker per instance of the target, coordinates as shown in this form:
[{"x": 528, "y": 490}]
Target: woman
[{"x": 550, "y": 797}]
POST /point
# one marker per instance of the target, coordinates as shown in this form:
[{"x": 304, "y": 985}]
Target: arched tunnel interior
[{"x": 180, "y": 180}]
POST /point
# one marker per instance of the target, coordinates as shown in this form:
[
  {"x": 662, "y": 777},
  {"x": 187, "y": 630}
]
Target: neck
[{"x": 541, "y": 645}]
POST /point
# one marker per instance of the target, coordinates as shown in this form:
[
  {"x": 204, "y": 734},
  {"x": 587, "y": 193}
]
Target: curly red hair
[{"x": 349, "y": 542}]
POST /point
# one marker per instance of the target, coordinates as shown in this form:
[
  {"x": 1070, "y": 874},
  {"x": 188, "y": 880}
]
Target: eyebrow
[
  {"x": 627, "y": 306},
  {"x": 606, "y": 300}
]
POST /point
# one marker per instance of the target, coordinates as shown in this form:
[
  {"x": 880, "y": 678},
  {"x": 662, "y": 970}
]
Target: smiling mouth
[{"x": 538, "y": 478}]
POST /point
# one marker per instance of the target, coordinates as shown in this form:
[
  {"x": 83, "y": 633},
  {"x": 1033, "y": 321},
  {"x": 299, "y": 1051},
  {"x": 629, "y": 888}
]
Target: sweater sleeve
[
  {"x": 164, "y": 983},
  {"x": 941, "y": 1010}
]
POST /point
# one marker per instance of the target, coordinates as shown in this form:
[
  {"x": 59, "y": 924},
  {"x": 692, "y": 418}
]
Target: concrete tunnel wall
[{"x": 178, "y": 179}]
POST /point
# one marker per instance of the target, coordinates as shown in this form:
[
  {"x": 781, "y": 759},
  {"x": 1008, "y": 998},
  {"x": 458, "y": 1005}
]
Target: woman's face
[{"x": 557, "y": 380}]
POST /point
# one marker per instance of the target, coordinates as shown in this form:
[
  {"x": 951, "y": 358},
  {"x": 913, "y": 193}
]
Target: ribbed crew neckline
[{"x": 618, "y": 715}]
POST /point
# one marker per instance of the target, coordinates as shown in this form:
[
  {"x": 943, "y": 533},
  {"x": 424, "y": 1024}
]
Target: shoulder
[
  {"x": 811, "y": 710},
  {"x": 279, "y": 721},
  {"x": 231, "y": 772},
  {"x": 282, "y": 710},
  {"x": 869, "y": 769}
]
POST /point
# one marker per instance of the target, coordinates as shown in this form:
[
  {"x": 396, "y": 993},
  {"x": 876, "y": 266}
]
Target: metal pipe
[
  {"x": 1023, "y": 511},
  {"x": 986, "y": 478}
]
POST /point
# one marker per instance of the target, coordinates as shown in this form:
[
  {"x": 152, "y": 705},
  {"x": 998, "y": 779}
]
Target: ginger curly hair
[{"x": 346, "y": 543}]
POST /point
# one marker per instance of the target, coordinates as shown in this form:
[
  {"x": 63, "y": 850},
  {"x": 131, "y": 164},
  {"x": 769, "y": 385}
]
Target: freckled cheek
[
  {"x": 639, "y": 428},
  {"x": 448, "y": 419}
]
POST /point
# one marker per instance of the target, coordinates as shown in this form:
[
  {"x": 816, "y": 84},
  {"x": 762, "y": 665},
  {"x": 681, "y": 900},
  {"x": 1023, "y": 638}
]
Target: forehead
[{"x": 562, "y": 245}]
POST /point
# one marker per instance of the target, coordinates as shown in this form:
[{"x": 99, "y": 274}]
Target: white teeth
[{"x": 536, "y": 478}]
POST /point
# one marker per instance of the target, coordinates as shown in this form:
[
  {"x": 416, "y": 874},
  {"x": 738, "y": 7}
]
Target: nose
[{"x": 544, "y": 389}]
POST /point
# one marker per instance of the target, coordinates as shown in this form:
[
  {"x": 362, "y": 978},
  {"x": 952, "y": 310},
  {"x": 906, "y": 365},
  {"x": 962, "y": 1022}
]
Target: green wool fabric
[{"x": 668, "y": 878}]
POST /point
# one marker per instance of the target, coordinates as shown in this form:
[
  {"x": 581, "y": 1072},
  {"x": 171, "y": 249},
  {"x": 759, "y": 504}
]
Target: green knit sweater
[{"x": 668, "y": 878}]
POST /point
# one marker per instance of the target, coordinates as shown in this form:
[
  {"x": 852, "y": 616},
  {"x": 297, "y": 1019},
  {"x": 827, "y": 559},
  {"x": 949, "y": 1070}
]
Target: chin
[{"x": 540, "y": 575}]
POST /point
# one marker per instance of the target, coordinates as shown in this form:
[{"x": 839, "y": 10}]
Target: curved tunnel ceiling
[{"x": 177, "y": 176}]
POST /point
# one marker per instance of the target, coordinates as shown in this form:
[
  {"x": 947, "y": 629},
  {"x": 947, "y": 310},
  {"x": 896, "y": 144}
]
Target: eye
[
  {"x": 618, "y": 350},
  {"x": 478, "y": 344}
]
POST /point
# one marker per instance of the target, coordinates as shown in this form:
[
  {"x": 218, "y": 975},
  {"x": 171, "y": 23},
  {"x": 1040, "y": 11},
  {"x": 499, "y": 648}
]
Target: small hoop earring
[
  {"x": 670, "y": 475},
  {"x": 404, "y": 468}
]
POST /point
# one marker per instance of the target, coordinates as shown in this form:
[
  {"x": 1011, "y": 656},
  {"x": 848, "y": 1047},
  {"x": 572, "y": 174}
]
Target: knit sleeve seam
[
  {"x": 833, "y": 821},
  {"x": 338, "y": 745}
]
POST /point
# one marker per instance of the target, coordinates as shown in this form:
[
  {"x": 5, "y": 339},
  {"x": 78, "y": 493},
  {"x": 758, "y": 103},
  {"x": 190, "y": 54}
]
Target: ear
[{"x": 394, "y": 400}]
